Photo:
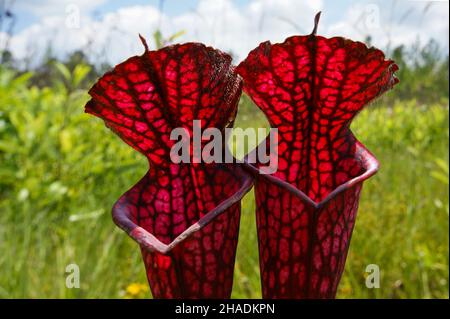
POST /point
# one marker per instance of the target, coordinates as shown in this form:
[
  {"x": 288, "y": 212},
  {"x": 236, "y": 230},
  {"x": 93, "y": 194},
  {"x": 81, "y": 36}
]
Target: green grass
[{"x": 61, "y": 171}]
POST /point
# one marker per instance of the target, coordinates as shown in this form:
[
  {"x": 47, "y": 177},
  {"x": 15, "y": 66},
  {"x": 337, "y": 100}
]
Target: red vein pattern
[
  {"x": 184, "y": 216},
  {"x": 310, "y": 88}
]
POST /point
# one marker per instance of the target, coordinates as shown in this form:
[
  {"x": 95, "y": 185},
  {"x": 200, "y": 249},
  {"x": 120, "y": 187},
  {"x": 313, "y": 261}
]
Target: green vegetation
[{"x": 61, "y": 170}]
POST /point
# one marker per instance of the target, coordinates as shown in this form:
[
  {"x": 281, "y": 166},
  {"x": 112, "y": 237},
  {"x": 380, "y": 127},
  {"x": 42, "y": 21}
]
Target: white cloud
[
  {"x": 240, "y": 29},
  {"x": 403, "y": 22},
  {"x": 57, "y": 7},
  {"x": 225, "y": 25}
]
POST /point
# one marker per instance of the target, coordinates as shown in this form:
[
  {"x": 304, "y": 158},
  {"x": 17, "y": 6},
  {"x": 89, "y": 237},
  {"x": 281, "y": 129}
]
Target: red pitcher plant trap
[
  {"x": 311, "y": 88},
  {"x": 185, "y": 216}
]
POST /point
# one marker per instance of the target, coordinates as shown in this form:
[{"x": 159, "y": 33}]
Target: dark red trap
[
  {"x": 310, "y": 89},
  {"x": 184, "y": 216}
]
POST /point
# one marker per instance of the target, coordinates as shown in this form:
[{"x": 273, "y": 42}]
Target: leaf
[
  {"x": 65, "y": 139},
  {"x": 140, "y": 103},
  {"x": 442, "y": 164},
  {"x": 79, "y": 74},
  {"x": 64, "y": 71},
  {"x": 176, "y": 35},
  {"x": 9, "y": 146},
  {"x": 184, "y": 216},
  {"x": 22, "y": 79},
  {"x": 92, "y": 215},
  {"x": 440, "y": 176},
  {"x": 310, "y": 88},
  {"x": 157, "y": 36}
]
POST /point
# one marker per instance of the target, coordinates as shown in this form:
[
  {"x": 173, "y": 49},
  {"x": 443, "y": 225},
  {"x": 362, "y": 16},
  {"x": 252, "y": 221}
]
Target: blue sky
[
  {"x": 107, "y": 29},
  {"x": 27, "y": 17}
]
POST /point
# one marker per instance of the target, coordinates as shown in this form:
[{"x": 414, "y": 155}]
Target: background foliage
[{"x": 61, "y": 170}]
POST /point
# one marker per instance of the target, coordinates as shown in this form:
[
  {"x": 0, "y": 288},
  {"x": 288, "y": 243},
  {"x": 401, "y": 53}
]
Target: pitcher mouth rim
[
  {"x": 148, "y": 241},
  {"x": 370, "y": 165}
]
